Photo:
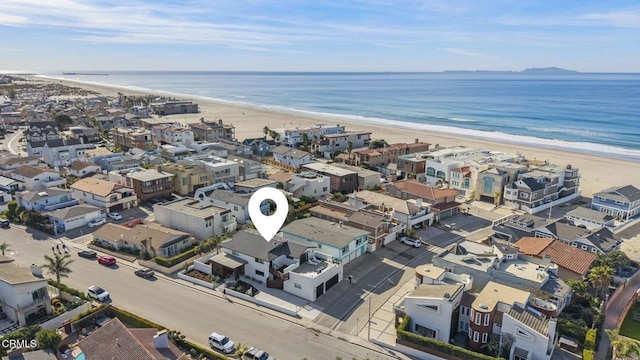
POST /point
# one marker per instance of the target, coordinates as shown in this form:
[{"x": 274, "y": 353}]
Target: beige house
[
  {"x": 151, "y": 238},
  {"x": 104, "y": 194},
  {"x": 188, "y": 177}
]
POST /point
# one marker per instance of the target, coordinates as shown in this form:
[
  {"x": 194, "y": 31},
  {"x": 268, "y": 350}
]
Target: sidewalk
[
  {"x": 613, "y": 318},
  {"x": 306, "y": 311}
]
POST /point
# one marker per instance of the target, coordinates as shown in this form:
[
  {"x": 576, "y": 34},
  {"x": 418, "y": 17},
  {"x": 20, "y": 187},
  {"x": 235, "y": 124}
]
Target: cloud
[{"x": 618, "y": 19}]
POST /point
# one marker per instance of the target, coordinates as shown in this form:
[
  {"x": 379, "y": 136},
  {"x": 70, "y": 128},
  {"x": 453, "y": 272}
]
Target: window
[
  {"x": 235, "y": 253},
  {"x": 470, "y": 334},
  {"x": 471, "y": 315},
  {"x": 478, "y": 319},
  {"x": 523, "y": 195},
  {"x": 259, "y": 261},
  {"x": 431, "y": 171},
  {"x": 484, "y": 338},
  {"x": 345, "y": 249},
  {"x": 476, "y": 335},
  {"x": 297, "y": 286},
  {"x": 488, "y": 185},
  {"x": 260, "y": 273},
  {"x": 486, "y": 319},
  {"x": 584, "y": 247}
]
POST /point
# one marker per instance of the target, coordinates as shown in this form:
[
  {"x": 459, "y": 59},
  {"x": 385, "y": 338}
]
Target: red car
[{"x": 106, "y": 260}]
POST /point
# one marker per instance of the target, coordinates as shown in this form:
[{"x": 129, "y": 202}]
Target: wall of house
[
  {"x": 305, "y": 287},
  {"x": 439, "y": 321},
  {"x": 194, "y": 225},
  {"x": 20, "y": 296},
  {"x": 527, "y": 339},
  {"x": 252, "y": 267}
]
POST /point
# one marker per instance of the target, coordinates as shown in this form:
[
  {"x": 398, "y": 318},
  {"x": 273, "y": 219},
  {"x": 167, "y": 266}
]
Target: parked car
[
  {"x": 4, "y": 223},
  {"x": 411, "y": 242},
  {"x": 222, "y": 343},
  {"x": 98, "y": 293},
  {"x": 89, "y": 254},
  {"x": 255, "y": 353},
  {"x": 96, "y": 222},
  {"x": 106, "y": 260},
  {"x": 114, "y": 215},
  {"x": 144, "y": 273}
]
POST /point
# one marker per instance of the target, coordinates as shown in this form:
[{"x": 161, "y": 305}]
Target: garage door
[
  {"x": 116, "y": 207},
  {"x": 331, "y": 282},
  {"x": 74, "y": 223},
  {"x": 319, "y": 290}
]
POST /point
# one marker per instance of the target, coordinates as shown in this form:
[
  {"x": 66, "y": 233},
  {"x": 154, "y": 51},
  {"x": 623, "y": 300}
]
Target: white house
[
  {"x": 36, "y": 178},
  {"x": 45, "y": 200},
  {"x": 535, "y": 335},
  {"x": 292, "y": 157},
  {"x": 171, "y": 134},
  {"x": 411, "y": 212},
  {"x": 431, "y": 308},
  {"x": 8, "y": 163},
  {"x": 9, "y": 185},
  {"x": 64, "y": 152},
  {"x": 221, "y": 170},
  {"x": 81, "y": 169},
  {"x": 237, "y": 203},
  {"x": 22, "y": 292},
  {"x": 298, "y": 268},
  {"x": 293, "y": 138},
  {"x": 343, "y": 243},
  {"x": 104, "y": 194},
  {"x": 308, "y": 183},
  {"x": 590, "y": 218},
  {"x": 74, "y": 217},
  {"x": 328, "y": 144},
  {"x": 200, "y": 219}
]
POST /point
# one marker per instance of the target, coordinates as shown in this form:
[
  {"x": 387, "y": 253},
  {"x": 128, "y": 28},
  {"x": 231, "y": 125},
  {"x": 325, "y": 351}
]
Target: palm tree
[
  {"x": 4, "y": 247},
  {"x": 349, "y": 149},
  {"x": 622, "y": 347},
  {"x": 265, "y": 131},
  {"x": 58, "y": 266},
  {"x": 600, "y": 277}
]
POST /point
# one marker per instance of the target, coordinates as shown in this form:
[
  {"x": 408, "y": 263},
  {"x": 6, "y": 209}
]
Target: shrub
[
  {"x": 169, "y": 262},
  {"x": 48, "y": 339},
  {"x": 69, "y": 290},
  {"x": 134, "y": 321},
  {"x": 588, "y": 354},
  {"x": 590, "y": 339},
  {"x": 208, "y": 353},
  {"x": 88, "y": 312},
  {"x": 403, "y": 333}
]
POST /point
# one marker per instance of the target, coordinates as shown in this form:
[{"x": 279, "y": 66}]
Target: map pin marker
[{"x": 268, "y": 225}]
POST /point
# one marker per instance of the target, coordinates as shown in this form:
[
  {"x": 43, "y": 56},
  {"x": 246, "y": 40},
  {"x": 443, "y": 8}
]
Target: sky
[{"x": 319, "y": 35}]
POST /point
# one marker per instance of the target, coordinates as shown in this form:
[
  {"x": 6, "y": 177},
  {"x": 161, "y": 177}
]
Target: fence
[
  {"x": 57, "y": 322},
  {"x": 183, "y": 275},
  {"x": 259, "y": 302}
]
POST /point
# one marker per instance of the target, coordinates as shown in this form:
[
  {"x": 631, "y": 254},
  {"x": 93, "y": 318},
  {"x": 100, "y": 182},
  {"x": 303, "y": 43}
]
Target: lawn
[{"x": 631, "y": 327}]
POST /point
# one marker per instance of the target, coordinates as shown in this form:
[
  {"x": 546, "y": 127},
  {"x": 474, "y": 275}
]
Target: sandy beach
[{"x": 598, "y": 173}]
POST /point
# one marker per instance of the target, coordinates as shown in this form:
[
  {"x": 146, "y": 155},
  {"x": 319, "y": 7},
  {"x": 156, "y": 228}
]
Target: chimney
[
  {"x": 419, "y": 202},
  {"x": 159, "y": 168},
  {"x": 219, "y": 121},
  {"x": 417, "y": 141},
  {"x": 161, "y": 339},
  {"x": 202, "y": 120}
]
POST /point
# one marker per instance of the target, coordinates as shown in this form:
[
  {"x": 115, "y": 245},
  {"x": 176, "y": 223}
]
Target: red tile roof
[
  {"x": 414, "y": 187},
  {"x": 566, "y": 256}
]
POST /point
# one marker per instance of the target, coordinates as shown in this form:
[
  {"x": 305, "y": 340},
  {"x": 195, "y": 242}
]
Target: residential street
[{"x": 189, "y": 308}]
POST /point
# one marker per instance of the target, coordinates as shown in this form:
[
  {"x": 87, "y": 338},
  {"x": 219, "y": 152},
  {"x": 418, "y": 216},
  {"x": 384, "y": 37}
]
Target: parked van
[{"x": 4, "y": 223}]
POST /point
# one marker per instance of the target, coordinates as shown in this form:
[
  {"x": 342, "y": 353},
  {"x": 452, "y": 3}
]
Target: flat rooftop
[
  {"x": 194, "y": 208},
  {"x": 13, "y": 274},
  {"x": 525, "y": 270}
]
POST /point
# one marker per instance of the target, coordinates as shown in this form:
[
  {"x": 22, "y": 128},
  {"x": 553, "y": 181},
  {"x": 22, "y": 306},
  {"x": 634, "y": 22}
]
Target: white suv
[
  {"x": 97, "y": 222},
  {"x": 98, "y": 293},
  {"x": 222, "y": 343},
  {"x": 411, "y": 242}
]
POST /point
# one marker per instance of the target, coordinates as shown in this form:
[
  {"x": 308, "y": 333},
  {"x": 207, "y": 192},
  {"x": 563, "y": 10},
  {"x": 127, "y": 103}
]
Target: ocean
[{"x": 583, "y": 112}]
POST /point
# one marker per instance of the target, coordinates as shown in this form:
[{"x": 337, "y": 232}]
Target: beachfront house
[
  {"x": 293, "y": 137},
  {"x": 329, "y": 145},
  {"x": 212, "y": 130},
  {"x": 343, "y": 243},
  {"x": 380, "y": 158},
  {"x": 590, "y": 218},
  {"x": 171, "y": 134},
  {"x": 442, "y": 201},
  {"x": 163, "y": 108},
  {"x": 621, "y": 202},
  {"x": 410, "y": 212}
]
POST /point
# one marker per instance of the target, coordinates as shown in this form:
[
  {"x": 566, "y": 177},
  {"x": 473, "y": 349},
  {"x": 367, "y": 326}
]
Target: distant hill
[{"x": 548, "y": 70}]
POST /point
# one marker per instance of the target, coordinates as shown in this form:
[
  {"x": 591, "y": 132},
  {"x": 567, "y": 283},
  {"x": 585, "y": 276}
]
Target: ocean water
[{"x": 589, "y": 113}]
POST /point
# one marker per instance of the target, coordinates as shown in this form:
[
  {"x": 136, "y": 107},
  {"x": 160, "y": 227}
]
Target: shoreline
[{"x": 598, "y": 171}]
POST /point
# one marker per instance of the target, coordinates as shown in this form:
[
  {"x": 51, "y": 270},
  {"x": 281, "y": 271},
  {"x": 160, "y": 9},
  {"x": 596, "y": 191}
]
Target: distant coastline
[
  {"x": 545, "y": 70},
  {"x": 77, "y": 73}
]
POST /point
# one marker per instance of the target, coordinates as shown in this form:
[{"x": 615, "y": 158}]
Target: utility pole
[{"x": 369, "y": 322}]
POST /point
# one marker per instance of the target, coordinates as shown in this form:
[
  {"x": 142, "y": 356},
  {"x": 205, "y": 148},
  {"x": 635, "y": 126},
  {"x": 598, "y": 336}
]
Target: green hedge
[
  {"x": 134, "y": 321},
  {"x": 588, "y": 354},
  {"x": 210, "y": 354},
  {"x": 169, "y": 262},
  {"x": 443, "y": 347},
  {"x": 69, "y": 290},
  {"x": 88, "y": 312},
  {"x": 590, "y": 340}
]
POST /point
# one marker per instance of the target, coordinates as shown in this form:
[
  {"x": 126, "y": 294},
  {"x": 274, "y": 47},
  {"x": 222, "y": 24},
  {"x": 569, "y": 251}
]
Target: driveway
[{"x": 438, "y": 236}]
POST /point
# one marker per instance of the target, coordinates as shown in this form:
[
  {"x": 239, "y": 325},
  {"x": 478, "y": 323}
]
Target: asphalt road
[{"x": 187, "y": 308}]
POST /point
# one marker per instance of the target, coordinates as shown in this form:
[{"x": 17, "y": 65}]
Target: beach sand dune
[{"x": 598, "y": 173}]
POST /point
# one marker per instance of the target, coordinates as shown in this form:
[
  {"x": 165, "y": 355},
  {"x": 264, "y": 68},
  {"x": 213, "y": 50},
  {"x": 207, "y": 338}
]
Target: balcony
[
  {"x": 230, "y": 225},
  {"x": 49, "y": 183},
  {"x": 278, "y": 273}
]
